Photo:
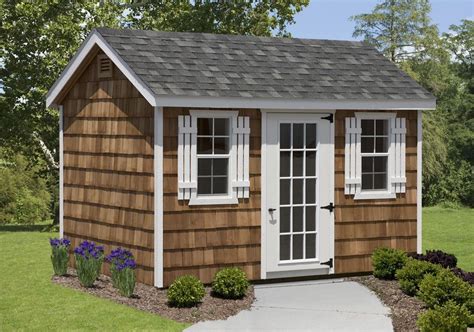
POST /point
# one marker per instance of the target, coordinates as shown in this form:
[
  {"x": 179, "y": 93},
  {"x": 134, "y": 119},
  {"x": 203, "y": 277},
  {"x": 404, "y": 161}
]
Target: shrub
[
  {"x": 412, "y": 273},
  {"x": 185, "y": 291},
  {"x": 59, "y": 255},
  {"x": 230, "y": 283},
  {"x": 386, "y": 262},
  {"x": 449, "y": 317},
  {"x": 438, "y": 257},
  {"x": 123, "y": 271},
  {"x": 464, "y": 275},
  {"x": 89, "y": 258},
  {"x": 443, "y": 287}
]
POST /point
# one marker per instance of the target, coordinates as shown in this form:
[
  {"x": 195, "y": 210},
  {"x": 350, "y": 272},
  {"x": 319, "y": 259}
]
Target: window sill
[
  {"x": 374, "y": 195},
  {"x": 218, "y": 200}
]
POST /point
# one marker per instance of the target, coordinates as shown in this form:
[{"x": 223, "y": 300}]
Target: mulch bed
[
  {"x": 151, "y": 299},
  {"x": 405, "y": 309}
]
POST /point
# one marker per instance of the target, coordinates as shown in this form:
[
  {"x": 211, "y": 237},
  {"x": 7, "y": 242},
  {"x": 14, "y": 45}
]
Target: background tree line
[{"x": 38, "y": 39}]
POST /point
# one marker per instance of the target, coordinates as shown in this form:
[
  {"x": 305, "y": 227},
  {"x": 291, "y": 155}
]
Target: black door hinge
[
  {"x": 330, "y": 118},
  {"x": 329, "y": 207},
  {"x": 328, "y": 263}
]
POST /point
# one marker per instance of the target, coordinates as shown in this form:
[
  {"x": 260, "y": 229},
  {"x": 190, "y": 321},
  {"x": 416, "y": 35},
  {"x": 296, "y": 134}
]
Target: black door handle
[
  {"x": 329, "y": 207},
  {"x": 271, "y": 210}
]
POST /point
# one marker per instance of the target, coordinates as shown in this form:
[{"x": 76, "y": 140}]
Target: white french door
[{"x": 299, "y": 228}]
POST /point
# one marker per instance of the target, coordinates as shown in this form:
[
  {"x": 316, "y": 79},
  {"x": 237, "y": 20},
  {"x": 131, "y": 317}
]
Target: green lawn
[
  {"x": 29, "y": 301},
  {"x": 450, "y": 230}
]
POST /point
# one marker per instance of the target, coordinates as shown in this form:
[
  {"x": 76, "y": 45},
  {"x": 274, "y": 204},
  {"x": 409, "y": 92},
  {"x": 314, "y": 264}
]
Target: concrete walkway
[{"x": 328, "y": 305}]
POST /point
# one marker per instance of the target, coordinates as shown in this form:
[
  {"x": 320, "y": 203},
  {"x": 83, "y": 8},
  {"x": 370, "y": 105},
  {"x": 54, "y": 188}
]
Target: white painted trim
[
  {"x": 375, "y": 116},
  {"x": 158, "y": 196},
  {"x": 96, "y": 39},
  {"x": 318, "y": 271},
  {"x": 293, "y": 104},
  {"x": 419, "y": 183},
  {"x": 263, "y": 203},
  {"x": 213, "y": 200},
  {"x": 61, "y": 171},
  {"x": 332, "y": 152},
  {"x": 360, "y": 195}
]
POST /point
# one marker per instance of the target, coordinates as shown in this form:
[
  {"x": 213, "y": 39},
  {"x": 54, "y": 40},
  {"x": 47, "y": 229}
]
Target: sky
[{"x": 329, "y": 19}]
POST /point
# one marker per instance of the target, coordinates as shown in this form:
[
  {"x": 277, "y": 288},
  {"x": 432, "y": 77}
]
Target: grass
[
  {"x": 29, "y": 301},
  {"x": 450, "y": 230}
]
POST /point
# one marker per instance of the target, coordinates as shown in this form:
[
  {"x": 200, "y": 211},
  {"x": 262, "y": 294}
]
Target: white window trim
[
  {"x": 231, "y": 196},
  {"x": 377, "y": 194}
]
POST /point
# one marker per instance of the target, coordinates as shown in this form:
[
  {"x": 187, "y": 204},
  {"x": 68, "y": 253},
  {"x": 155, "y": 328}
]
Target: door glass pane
[
  {"x": 285, "y": 192},
  {"x": 297, "y": 191},
  {"x": 310, "y": 191},
  {"x": 285, "y": 219},
  {"x": 285, "y": 136},
  {"x": 298, "y": 163},
  {"x": 310, "y": 136},
  {"x": 310, "y": 218},
  {"x": 298, "y": 136},
  {"x": 284, "y": 247},
  {"x": 310, "y": 246},
  {"x": 297, "y": 219},
  {"x": 298, "y": 246},
  {"x": 285, "y": 160},
  {"x": 310, "y": 163}
]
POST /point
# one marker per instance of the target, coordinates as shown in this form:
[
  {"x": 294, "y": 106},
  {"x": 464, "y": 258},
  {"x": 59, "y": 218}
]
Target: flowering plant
[
  {"x": 122, "y": 270},
  {"x": 89, "y": 258},
  {"x": 59, "y": 255}
]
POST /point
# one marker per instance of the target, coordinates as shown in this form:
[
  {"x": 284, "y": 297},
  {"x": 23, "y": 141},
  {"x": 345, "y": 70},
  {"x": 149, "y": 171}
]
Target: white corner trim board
[
  {"x": 158, "y": 197},
  {"x": 419, "y": 184},
  {"x": 96, "y": 39},
  {"x": 263, "y": 190},
  {"x": 61, "y": 170}
]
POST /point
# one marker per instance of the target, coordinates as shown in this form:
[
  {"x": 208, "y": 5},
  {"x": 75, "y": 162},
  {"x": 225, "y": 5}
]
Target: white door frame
[{"x": 264, "y": 274}]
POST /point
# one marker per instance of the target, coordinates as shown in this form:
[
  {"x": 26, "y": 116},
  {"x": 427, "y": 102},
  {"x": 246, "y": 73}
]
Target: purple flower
[
  {"x": 89, "y": 249},
  {"x": 121, "y": 259},
  {"x": 56, "y": 243}
]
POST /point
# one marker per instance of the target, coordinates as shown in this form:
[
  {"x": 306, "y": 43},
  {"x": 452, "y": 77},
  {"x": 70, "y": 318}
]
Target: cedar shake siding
[
  {"x": 364, "y": 225},
  {"x": 200, "y": 240},
  {"x": 108, "y": 166}
]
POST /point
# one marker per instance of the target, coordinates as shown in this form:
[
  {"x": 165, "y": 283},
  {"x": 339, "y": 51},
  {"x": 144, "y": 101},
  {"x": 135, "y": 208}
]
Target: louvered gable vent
[{"x": 104, "y": 66}]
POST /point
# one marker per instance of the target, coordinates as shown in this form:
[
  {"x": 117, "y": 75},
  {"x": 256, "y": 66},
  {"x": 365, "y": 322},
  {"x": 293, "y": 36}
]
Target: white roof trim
[
  {"x": 96, "y": 39},
  {"x": 280, "y": 103}
]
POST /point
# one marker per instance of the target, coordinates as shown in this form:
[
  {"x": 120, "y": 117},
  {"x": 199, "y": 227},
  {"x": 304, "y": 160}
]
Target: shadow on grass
[{"x": 28, "y": 228}]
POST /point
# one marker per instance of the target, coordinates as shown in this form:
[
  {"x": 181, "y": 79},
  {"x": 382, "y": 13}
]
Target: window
[
  {"x": 374, "y": 155},
  {"x": 213, "y": 155}
]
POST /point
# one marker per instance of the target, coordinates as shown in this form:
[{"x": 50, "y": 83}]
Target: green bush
[
  {"x": 386, "y": 262},
  {"x": 443, "y": 287},
  {"x": 412, "y": 273},
  {"x": 230, "y": 283},
  {"x": 449, "y": 317},
  {"x": 24, "y": 198},
  {"x": 185, "y": 291}
]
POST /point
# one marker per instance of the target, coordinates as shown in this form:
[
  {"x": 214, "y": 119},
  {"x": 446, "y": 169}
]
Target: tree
[{"x": 398, "y": 28}]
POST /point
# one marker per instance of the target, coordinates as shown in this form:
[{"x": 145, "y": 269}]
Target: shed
[{"x": 285, "y": 157}]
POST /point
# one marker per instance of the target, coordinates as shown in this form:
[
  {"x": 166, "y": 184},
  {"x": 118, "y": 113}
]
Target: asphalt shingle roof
[{"x": 199, "y": 64}]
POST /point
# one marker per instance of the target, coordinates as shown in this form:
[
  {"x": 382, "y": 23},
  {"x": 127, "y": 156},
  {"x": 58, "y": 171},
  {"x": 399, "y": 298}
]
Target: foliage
[
  {"x": 386, "y": 262},
  {"x": 24, "y": 197},
  {"x": 59, "y": 255},
  {"x": 464, "y": 275},
  {"x": 122, "y": 270},
  {"x": 412, "y": 273},
  {"x": 185, "y": 291},
  {"x": 28, "y": 297},
  {"x": 89, "y": 258},
  {"x": 443, "y": 287},
  {"x": 437, "y": 257},
  {"x": 230, "y": 283},
  {"x": 448, "y": 317}
]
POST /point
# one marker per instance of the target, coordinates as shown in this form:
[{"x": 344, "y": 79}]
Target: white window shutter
[
  {"x": 241, "y": 137},
  {"x": 352, "y": 156},
  {"x": 186, "y": 139},
  {"x": 398, "y": 133}
]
